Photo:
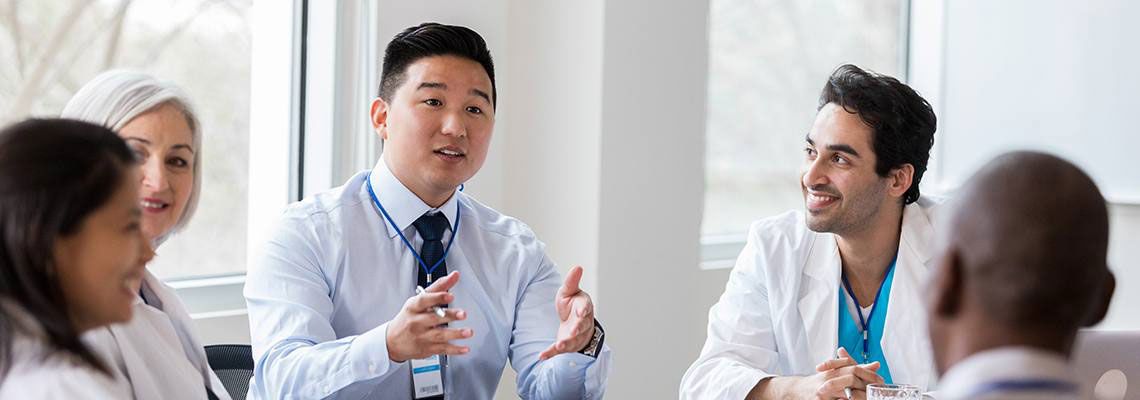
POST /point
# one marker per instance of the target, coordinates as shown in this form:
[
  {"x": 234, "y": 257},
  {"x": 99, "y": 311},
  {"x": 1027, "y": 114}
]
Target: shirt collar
[
  {"x": 401, "y": 204},
  {"x": 1007, "y": 363}
]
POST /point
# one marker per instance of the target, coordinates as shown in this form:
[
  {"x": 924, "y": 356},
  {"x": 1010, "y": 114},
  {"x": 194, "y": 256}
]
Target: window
[
  {"x": 204, "y": 46},
  {"x": 768, "y": 60}
]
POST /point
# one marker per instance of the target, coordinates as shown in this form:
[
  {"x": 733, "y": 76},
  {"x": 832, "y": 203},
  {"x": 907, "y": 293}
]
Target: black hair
[
  {"x": 901, "y": 121},
  {"x": 432, "y": 39},
  {"x": 54, "y": 173}
]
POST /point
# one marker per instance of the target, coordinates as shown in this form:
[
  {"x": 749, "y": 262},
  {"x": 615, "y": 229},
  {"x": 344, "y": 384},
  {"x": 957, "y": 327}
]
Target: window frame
[
  {"x": 331, "y": 61},
  {"x": 719, "y": 251}
]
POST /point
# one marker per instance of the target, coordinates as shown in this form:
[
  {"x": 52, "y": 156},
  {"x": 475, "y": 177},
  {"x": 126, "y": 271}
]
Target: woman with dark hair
[{"x": 71, "y": 252}]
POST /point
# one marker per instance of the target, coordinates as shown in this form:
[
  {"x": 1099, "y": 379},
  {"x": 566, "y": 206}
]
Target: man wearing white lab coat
[
  {"x": 786, "y": 309},
  {"x": 1022, "y": 266}
]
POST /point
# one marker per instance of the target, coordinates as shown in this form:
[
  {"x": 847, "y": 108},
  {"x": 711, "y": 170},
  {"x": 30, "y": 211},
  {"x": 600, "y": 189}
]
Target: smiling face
[
  {"x": 100, "y": 266},
  {"x": 841, "y": 190},
  {"x": 162, "y": 140},
  {"x": 437, "y": 126}
]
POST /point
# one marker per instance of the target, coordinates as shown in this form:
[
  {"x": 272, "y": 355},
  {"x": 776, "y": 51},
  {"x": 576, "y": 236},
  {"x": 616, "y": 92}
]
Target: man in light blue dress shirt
[{"x": 333, "y": 304}]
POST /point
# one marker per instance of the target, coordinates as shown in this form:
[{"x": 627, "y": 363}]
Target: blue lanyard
[
  {"x": 1025, "y": 385},
  {"x": 865, "y": 323},
  {"x": 454, "y": 230}
]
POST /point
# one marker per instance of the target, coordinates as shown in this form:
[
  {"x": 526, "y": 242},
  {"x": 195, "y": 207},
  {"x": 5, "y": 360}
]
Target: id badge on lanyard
[
  {"x": 427, "y": 373},
  {"x": 427, "y": 376}
]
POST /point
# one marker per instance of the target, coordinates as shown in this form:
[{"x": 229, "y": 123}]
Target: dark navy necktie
[{"x": 431, "y": 228}]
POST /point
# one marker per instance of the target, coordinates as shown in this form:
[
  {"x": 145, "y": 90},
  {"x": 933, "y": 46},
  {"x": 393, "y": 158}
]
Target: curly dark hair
[{"x": 901, "y": 121}]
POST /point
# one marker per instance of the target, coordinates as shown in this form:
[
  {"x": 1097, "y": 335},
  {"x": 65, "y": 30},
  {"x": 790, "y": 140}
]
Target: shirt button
[{"x": 372, "y": 368}]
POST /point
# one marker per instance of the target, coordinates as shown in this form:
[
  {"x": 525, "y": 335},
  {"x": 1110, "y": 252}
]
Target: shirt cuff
[
  {"x": 746, "y": 381},
  {"x": 597, "y": 341},
  {"x": 368, "y": 354}
]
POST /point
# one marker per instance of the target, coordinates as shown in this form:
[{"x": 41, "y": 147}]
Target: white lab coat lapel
[
  {"x": 184, "y": 330},
  {"x": 819, "y": 297},
  {"x": 906, "y": 342},
  {"x": 181, "y": 320}
]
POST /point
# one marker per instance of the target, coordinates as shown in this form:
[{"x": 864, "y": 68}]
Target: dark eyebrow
[
  {"x": 843, "y": 148},
  {"x": 482, "y": 94},
  {"x": 432, "y": 85},
  {"x": 443, "y": 86}
]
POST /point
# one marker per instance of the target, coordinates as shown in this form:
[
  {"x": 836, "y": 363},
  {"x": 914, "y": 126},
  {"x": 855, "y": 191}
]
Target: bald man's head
[
  {"x": 1032, "y": 233},
  {"x": 1025, "y": 249}
]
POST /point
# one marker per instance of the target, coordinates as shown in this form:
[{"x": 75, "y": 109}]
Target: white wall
[
  {"x": 652, "y": 183},
  {"x": 605, "y": 140},
  {"x": 1123, "y": 253},
  {"x": 550, "y": 115},
  {"x": 1065, "y": 83},
  {"x": 942, "y": 29},
  {"x": 552, "y": 118},
  {"x": 579, "y": 150}
]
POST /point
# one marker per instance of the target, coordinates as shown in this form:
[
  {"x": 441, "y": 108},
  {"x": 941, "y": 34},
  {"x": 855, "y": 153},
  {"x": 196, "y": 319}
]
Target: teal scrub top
[{"x": 851, "y": 334}]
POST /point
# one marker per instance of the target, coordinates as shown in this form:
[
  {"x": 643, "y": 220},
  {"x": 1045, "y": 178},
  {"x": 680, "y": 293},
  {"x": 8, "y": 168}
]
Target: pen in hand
[
  {"x": 438, "y": 311},
  {"x": 846, "y": 390}
]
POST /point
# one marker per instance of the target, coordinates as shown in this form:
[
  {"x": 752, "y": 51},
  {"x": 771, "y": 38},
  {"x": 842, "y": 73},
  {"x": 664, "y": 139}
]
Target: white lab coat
[
  {"x": 157, "y": 349},
  {"x": 779, "y": 314},
  {"x": 58, "y": 376}
]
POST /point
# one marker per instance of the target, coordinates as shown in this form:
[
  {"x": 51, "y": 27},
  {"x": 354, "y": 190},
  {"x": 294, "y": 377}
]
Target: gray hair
[{"x": 116, "y": 97}]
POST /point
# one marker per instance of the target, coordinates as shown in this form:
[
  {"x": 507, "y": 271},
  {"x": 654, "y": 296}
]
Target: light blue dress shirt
[{"x": 333, "y": 273}]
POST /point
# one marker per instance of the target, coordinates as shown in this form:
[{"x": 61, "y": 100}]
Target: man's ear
[
  {"x": 1103, "y": 301},
  {"x": 379, "y": 117},
  {"x": 901, "y": 178},
  {"x": 947, "y": 285}
]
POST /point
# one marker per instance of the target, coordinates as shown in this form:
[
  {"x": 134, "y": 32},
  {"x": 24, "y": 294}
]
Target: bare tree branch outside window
[
  {"x": 768, "y": 60},
  {"x": 54, "y": 47}
]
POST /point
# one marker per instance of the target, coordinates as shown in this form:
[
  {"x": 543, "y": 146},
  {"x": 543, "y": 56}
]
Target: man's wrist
[
  {"x": 775, "y": 387},
  {"x": 388, "y": 344},
  {"x": 594, "y": 346}
]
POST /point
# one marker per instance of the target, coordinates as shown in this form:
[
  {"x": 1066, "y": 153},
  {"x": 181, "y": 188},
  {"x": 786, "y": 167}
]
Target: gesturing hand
[
  {"x": 417, "y": 332},
  {"x": 576, "y": 316}
]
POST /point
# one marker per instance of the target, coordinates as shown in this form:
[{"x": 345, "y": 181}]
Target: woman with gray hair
[{"x": 157, "y": 350}]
